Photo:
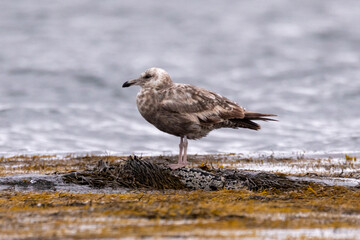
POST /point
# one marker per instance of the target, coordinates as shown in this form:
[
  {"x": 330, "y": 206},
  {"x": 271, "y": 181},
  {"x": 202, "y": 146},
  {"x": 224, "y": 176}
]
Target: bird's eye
[{"x": 147, "y": 76}]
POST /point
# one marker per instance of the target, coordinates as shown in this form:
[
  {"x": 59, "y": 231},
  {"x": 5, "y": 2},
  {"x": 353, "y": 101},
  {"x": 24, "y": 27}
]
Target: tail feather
[
  {"x": 259, "y": 116},
  {"x": 247, "y": 121},
  {"x": 244, "y": 123}
]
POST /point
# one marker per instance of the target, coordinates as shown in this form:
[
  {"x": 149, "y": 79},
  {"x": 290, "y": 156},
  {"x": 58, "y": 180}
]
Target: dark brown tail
[
  {"x": 247, "y": 122},
  {"x": 259, "y": 116}
]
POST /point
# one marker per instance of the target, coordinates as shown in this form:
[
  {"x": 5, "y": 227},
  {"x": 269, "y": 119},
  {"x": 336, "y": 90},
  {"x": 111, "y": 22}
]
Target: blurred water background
[{"x": 62, "y": 64}]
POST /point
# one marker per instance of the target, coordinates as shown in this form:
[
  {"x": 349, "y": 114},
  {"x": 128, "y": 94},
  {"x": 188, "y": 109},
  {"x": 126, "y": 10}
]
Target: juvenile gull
[{"x": 187, "y": 111}]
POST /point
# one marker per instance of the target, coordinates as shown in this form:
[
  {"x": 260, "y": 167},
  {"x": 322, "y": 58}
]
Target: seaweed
[
  {"x": 261, "y": 180},
  {"x": 133, "y": 173}
]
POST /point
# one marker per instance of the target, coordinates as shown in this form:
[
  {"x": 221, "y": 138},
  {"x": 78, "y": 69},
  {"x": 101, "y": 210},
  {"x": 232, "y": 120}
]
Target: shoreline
[
  {"x": 291, "y": 153},
  {"x": 31, "y": 199},
  {"x": 340, "y": 165}
]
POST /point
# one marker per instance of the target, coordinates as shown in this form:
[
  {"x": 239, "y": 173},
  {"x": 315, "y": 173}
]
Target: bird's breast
[{"x": 147, "y": 104}]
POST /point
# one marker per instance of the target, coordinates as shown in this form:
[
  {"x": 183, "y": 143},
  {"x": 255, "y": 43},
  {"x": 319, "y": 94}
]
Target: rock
[
  {"x": 137, "y": 173},
  {"x": 196, "y": 178}
]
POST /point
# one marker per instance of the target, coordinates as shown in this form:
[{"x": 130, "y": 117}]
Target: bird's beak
[{"x": 129, "y": 83}]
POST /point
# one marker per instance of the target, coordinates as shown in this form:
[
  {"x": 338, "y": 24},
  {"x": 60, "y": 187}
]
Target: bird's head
[{"x": 156, "y": 78}]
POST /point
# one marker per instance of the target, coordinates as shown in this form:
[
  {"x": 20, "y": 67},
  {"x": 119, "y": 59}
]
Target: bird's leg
[
  {"x": 181, "y": 147},
  {"x": 180, "y": 163},
  {"x": 184, "y": 161}
]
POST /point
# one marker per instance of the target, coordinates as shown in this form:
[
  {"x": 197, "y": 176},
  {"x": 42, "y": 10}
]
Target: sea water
[{"x": 62, "y": 65}]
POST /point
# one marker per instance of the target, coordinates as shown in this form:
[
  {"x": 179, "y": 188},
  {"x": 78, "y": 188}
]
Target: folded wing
[
  {"x": 209, "y": 109},
  {"x": 202, "y": 105}
]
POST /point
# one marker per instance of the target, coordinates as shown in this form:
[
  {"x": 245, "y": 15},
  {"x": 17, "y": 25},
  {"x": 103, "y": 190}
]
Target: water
[{"x": 62, "y": 64}]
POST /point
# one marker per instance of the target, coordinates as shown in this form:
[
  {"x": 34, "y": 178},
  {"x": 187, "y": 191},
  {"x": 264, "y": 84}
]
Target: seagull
[{"x": 187, "y": 111}]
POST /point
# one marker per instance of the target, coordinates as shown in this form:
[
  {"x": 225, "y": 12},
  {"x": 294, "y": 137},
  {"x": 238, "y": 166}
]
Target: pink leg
[
  {"x": 181, "y": 147},
  {"x": 180, "y": 163},
  {"x": 185, "y": 151}
]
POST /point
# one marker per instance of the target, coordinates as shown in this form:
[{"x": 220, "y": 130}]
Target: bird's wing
[{"x": 206, "y": 106}]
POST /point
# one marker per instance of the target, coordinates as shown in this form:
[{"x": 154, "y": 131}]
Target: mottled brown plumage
[{"x": 187, "y": 111}]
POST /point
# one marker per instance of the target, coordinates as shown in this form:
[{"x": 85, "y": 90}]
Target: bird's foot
[{"x": 176, "y": 166}]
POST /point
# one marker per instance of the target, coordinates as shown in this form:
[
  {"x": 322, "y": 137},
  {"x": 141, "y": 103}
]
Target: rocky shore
[{"x": 65, "y": 197}]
